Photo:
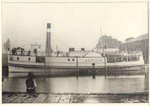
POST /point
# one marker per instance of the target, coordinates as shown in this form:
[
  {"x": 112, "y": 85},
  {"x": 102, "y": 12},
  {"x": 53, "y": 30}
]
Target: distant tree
[
  {"x": 128, "y": 39},
  {"x": 108, "y": 42}
]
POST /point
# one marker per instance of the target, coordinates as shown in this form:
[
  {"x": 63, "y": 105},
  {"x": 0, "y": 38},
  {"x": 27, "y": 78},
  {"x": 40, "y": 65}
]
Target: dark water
[{"x": 111, "y": 84}]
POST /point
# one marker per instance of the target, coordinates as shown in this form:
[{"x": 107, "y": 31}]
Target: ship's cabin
[{"x": 112, "y": 58}]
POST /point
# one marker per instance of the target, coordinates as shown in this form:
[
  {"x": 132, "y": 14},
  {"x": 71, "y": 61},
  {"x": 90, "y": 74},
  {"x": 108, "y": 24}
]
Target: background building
[{"x": 141, "y": 43}]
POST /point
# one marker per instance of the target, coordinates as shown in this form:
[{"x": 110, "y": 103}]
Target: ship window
[
  {"x": 72, "y": 59},
  {"x": 11, "y": 58},
  {"x": 40, "y": 59},
  {"x": 124, "y": 59},
  {"x": 118, "y": 59},
  {"x": 29, "y": 58},
  {"x": 68, "y": 59},
  {"x": 133, "y": 58},
  {"x": 110, "y": 59},
  {"x": 17, "y": 58}
]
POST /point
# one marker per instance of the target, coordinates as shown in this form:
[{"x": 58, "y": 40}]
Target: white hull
[{"x": 70, "y": 62}]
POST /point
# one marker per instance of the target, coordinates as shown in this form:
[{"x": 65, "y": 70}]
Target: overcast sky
[{"x": 73, "y": 24}]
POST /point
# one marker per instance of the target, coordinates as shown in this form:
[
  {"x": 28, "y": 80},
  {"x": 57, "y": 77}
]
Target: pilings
[
  {"x": 146, "y": 68},
  {"x": 94, "y": 70},
  {"x": 5, "y": 70},
  {"x": 105, "y": 61}
]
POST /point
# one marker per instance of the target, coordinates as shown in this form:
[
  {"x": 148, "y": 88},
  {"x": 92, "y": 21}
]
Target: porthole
[
  {"x": 17, "y": 58},
  {"x": 29, "y": 58},
  {"x": 72, "y": 59},
  {"x": 93, "y": 64},
  {"x": 68, "y": 59}
]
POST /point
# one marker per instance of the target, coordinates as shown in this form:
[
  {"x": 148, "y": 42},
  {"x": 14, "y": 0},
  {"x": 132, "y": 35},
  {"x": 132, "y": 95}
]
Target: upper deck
[{"x": 116, "y": 60}]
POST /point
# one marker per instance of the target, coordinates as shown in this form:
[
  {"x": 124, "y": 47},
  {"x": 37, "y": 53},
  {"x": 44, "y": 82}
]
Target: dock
[{"x": 75, "y": 98}]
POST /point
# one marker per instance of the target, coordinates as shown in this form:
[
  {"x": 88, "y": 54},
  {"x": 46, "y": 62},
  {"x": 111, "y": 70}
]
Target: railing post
[
  {"x": 5, "y": 68},
  {"x": 94, "y": 71}
]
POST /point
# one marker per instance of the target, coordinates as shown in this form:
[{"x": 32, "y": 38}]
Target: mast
[{"x": 48, "y": 49}]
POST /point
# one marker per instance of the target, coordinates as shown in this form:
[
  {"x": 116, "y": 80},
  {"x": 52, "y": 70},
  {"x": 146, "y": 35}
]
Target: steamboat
[{"x": 81, "y": 59}]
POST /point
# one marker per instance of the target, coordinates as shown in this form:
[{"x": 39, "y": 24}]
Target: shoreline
[{"x": 74, "y": 98}]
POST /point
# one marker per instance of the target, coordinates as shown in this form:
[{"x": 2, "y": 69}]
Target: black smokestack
[
  {"x": 48, "y": 25},
  {"x": 48, "y": 41}
]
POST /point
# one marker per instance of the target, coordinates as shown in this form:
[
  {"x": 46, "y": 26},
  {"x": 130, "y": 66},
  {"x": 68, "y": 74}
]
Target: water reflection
[
  {"x": 91, "y": 100},
  {"x": 120, "y": 84}
]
